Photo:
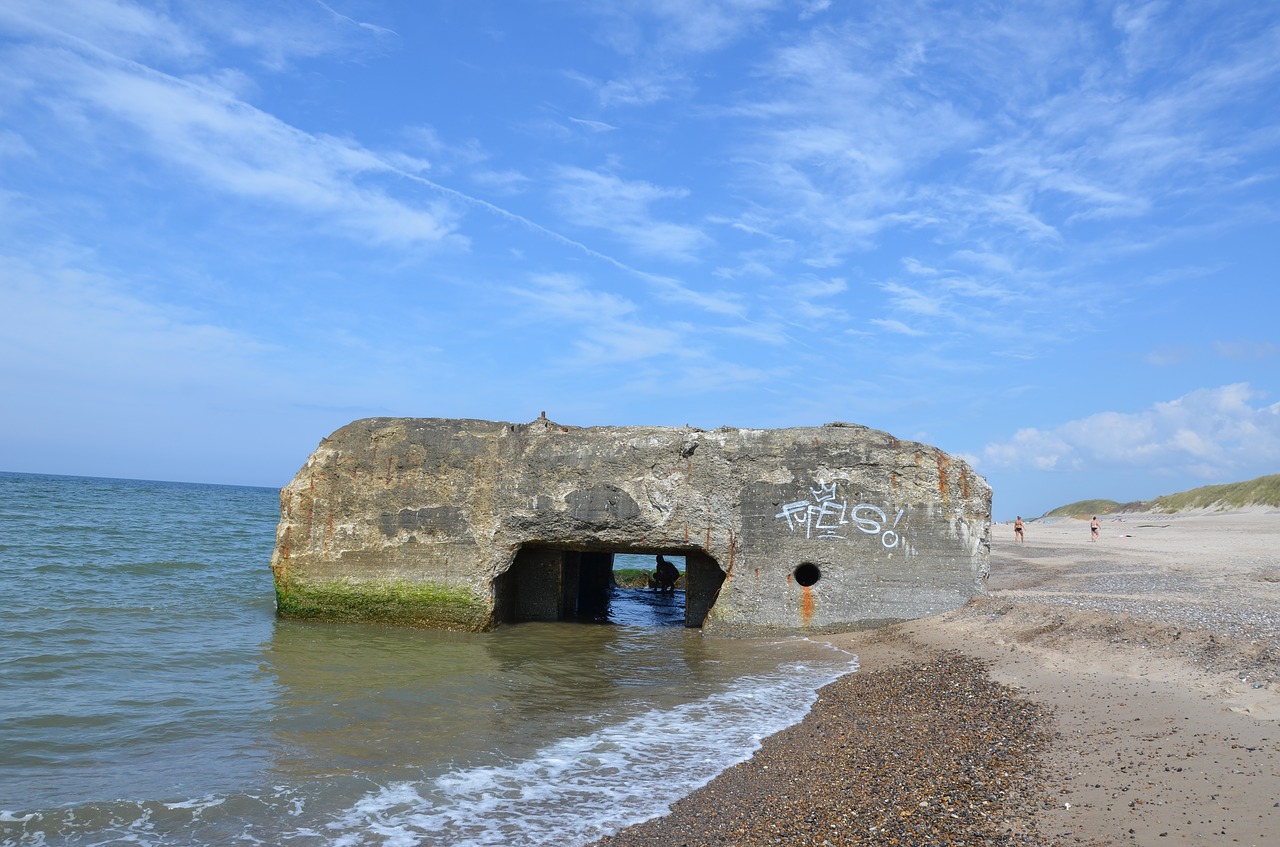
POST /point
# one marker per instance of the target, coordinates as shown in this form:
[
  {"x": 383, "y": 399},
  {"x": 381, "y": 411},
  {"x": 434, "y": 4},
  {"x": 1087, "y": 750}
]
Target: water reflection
[
  {"x": 386, "y": 700},
  {"x": 373, "y": 698},
  {"x": 645, "y": 607}
]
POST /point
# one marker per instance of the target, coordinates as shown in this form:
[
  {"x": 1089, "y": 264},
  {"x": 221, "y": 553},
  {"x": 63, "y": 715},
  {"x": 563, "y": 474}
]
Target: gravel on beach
[
  {"x": 931, "y": 752},
  {"x": 1145, "y": 709}
]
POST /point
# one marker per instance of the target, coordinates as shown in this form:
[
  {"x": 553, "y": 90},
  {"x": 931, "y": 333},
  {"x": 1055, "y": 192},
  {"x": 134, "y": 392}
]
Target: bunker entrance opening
[{"x": 546, "y": 583}]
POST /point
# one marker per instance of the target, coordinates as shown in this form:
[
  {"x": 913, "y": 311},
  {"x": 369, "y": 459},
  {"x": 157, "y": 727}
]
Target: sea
[{"x": 149, "y": 694}]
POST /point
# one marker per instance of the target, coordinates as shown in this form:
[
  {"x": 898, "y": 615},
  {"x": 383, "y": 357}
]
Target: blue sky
[{"x": 1043, "y": 236}]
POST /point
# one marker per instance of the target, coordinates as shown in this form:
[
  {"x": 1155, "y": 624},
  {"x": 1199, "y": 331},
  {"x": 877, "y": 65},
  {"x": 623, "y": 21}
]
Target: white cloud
[
  {"x": 658, "y": 36},
  {"x": 566, "y": 297},
  {"x": 991, "y": 262},
  {"x": 373, "y": 28},
  {"x": 906, "y": 124},
  {"x": 622, "y": 207},
  {"x": 913, "y": 301},
  {"x": 124, "y": 28},
  {"x": 80, "y": 329},
  {"x": 813, "y": 8},
  {"x": 1210, "y": 432},
  {"x": 592, "y": 125},
  {"x": 677, "y": 27},
  {"x": 725, "y": 303},
  {"x": 602, "y": 328},
  {"x": 282, "y": 32},
  {"x": 1170, "y": 354},
  {"x": 638, "y": 90},
  {"x": 210, "y": 135},
  {"x": 1123, "y": 141},
  {"x": 839, "y": 142},
  {"x": 12, "y": 144},
  {"x": 917, "y": 268},
  {"x": 507, "y": 181},
  {"x": 895, "y": 326}
]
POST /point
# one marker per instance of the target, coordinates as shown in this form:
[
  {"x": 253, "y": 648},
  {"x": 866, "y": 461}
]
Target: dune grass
[
  {"x": 1263, "y": 491},
  {"x": 1083, "y": 507}
]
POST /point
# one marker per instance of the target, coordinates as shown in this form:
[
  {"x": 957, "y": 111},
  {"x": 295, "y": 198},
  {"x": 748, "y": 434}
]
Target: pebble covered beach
[
  {"x": 931, "y": 752},
  {"x": 1118, "y": 692}
]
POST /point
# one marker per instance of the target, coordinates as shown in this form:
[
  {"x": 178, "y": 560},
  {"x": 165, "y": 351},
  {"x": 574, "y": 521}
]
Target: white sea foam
[
  {"x": 569, "y": 792},
  {"x": 579, "y": 789}
]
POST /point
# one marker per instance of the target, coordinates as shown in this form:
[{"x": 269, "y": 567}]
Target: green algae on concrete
[{"x": 402, "y": 603}]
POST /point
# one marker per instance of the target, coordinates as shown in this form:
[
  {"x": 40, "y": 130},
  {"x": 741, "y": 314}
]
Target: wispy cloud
[
  {"x": 896, "y": 326},
  {"x": 124, "y": 28},
  {"x": 664, "y": 28},
  {"x": 593, "y": 126},
  {"x": 67, "y": 324},
  {"x": 911, "y": 300},
  {"x": 12, "y": 144},
  {"x": 1170, "y": 354},
  {"x": 208, "y": 134},
  {"x": 1126, "y": 140},
  {"x": 839, "y": 140},
  {"x": 643, "y": 88},
  {"x": 658, "y": 38},
  {"x": 602, "y": 328},
  {"x": 623, "y": 208},
  {"x": 282, "y": 34},
  {"x": 907, "y": 124},
  {"x": 371, "y": 27}
]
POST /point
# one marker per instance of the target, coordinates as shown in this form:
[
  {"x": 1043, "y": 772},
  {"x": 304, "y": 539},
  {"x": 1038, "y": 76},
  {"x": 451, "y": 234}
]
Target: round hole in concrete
[{"x": 807, "y": 573}]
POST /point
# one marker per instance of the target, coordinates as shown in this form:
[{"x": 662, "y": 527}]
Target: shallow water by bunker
[{"x": 148, "y": 694}]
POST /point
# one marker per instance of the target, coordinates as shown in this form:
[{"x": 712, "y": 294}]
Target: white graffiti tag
[{"x": 826, "y": 515}]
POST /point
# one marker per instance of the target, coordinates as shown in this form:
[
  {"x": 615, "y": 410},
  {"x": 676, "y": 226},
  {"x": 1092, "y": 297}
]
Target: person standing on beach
[
  {"x": 1017, "y": 530},
  {"x": 1094, "y": 526}
]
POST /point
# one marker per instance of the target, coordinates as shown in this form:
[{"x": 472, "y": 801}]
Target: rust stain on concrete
[{"x": 806, "y": 605}]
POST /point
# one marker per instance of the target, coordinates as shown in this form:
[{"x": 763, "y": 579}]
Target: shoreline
[
  {"x": 1119, "y": 692},
  {"x": 928, "y": 750}
]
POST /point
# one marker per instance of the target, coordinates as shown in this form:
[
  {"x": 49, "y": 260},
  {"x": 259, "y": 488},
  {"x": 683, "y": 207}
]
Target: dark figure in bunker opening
[{"x": 664, "y": 578}]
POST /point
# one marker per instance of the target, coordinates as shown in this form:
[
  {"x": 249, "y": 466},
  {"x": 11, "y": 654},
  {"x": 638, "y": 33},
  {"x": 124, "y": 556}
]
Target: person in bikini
[{"x": 1017, "y": 530}]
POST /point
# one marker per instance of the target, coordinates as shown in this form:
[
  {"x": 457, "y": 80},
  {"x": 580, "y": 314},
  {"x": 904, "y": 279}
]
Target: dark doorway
[{"x": 555, "y": 584}]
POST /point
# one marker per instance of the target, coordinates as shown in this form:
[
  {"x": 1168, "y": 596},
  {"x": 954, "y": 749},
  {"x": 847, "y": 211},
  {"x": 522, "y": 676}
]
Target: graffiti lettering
[
  {"x": 868, "y": 525},
  {"x": 826, "y": 515}
]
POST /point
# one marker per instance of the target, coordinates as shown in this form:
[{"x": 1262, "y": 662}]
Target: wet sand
[{"x": 1118, "y": 692}]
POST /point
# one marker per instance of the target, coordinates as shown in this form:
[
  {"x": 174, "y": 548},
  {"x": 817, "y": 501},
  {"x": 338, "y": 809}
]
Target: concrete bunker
[
  {"x": 469, "y": 524},
  {"x": 548, "y": 582}
]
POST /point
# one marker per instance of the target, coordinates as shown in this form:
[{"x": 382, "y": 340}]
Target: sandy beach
[{"x": 1118, "y": 692}]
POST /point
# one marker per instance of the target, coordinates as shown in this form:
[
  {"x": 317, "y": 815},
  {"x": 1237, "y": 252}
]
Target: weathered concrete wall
[{"x": 420, "y": 521}]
